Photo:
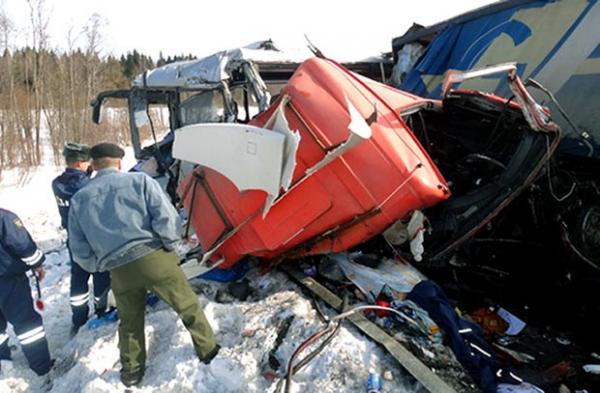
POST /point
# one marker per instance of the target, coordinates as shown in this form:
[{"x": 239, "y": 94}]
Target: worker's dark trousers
[
  {"x": 80, "y": 293},
  {"x": 160, "y": 273},
  {"x": 16, "y": 307}
]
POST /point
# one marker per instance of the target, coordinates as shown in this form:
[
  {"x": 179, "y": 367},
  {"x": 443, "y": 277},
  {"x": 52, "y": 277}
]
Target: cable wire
[{"x": 332, "y": 328}]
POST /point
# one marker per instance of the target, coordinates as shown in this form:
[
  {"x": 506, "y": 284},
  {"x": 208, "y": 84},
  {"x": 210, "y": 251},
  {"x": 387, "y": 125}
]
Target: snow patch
[{"x": 89, "y": 362}]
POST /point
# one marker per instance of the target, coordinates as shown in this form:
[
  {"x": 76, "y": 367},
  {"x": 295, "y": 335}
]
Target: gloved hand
[{"x": 39, "y": 272}]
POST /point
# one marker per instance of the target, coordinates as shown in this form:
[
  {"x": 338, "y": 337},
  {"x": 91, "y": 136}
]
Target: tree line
[{"x": 45, "y": 92}]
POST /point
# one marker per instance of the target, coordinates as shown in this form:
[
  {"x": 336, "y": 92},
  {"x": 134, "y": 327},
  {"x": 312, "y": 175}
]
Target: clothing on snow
[{"x": 465, "y": 338}]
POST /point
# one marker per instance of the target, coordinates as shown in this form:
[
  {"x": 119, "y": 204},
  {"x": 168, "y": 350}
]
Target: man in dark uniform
[
  {"x": 124, "y": 223},
  {"x": 18, "y": 254},
  {"x": 76, "y": 176}
]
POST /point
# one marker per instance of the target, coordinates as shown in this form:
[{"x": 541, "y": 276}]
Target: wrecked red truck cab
[
  {"x": 328, "y": 207},
  {"x": 338, "y": 158}
]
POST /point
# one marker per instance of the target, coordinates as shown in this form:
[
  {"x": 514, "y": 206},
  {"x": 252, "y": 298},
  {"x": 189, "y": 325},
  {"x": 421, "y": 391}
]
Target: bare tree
[
  {"x": 7, "y": 86},
  {"x": 44, "y": 89},
  {"x": 6, "y": 30},
  {"x": 93, "y": 36},
  {"x": 39, "y": 21}
]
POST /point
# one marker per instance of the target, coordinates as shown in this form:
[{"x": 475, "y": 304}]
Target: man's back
[
  {"x": 125, "y": 223},
  {"x": 18, "y": 251},
  {"x": 64, "y": 187},
  {"x": 119, "y": 217}
]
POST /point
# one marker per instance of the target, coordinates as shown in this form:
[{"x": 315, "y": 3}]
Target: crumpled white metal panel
[{"x": 251, "y": 157}]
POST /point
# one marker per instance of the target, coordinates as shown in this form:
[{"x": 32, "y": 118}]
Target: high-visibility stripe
[
  {"x": 34, "y": 338},
  {"x": 3, "y": 338},
  {"x": 467, "y": 330},
  {"x": 81, "y": 302},
  {"x": 30, "y": 333},
  {"x": 80, "y": 297},
  {"x": 515, "y": 377},
  {"x": 33, "y": 259},
  {"x": 499, "y": 375},
  {"x": 480, "y": 350}
]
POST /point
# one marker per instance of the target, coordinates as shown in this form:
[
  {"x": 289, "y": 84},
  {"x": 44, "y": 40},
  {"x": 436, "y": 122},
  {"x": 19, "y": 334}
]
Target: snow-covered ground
[{"x": 89, "y": 361}]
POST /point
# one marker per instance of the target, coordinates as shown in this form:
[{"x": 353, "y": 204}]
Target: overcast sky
[{"x": 343, "y": 30}]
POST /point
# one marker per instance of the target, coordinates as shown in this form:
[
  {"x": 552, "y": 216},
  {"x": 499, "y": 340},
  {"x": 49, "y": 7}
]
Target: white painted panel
[{"x": 251, "y": 157}]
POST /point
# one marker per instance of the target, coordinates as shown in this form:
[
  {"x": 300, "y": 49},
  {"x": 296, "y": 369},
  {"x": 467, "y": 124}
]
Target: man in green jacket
[{"x": 124, "y": 223}]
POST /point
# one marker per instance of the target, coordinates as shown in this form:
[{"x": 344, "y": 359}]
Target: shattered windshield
[{"x": 204, "y": 107}]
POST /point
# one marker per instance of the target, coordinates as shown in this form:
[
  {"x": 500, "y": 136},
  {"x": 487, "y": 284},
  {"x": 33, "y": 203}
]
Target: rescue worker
[
  {"x": 124, "y": 223},
  {"x": 76, "y": 176},
  {"x": 18, "y": 254}
]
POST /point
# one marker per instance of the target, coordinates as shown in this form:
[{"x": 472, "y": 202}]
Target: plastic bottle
[{"x": 374, "y": 385}]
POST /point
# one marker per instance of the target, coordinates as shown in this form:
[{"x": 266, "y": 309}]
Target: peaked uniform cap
[
  {"x": 102, "y": 150},
  {"x": 76, "y": 151}
]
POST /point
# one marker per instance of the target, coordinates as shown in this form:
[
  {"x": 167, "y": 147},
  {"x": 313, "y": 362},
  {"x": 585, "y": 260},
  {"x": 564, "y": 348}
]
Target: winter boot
[
  {"x": 211, "y": 355},
  {"x": 132, "y": 378},
  {"x": 46, "y": 384},
  {"x": 74, "y": 330},
  {"x": 47, "y": 379}
]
